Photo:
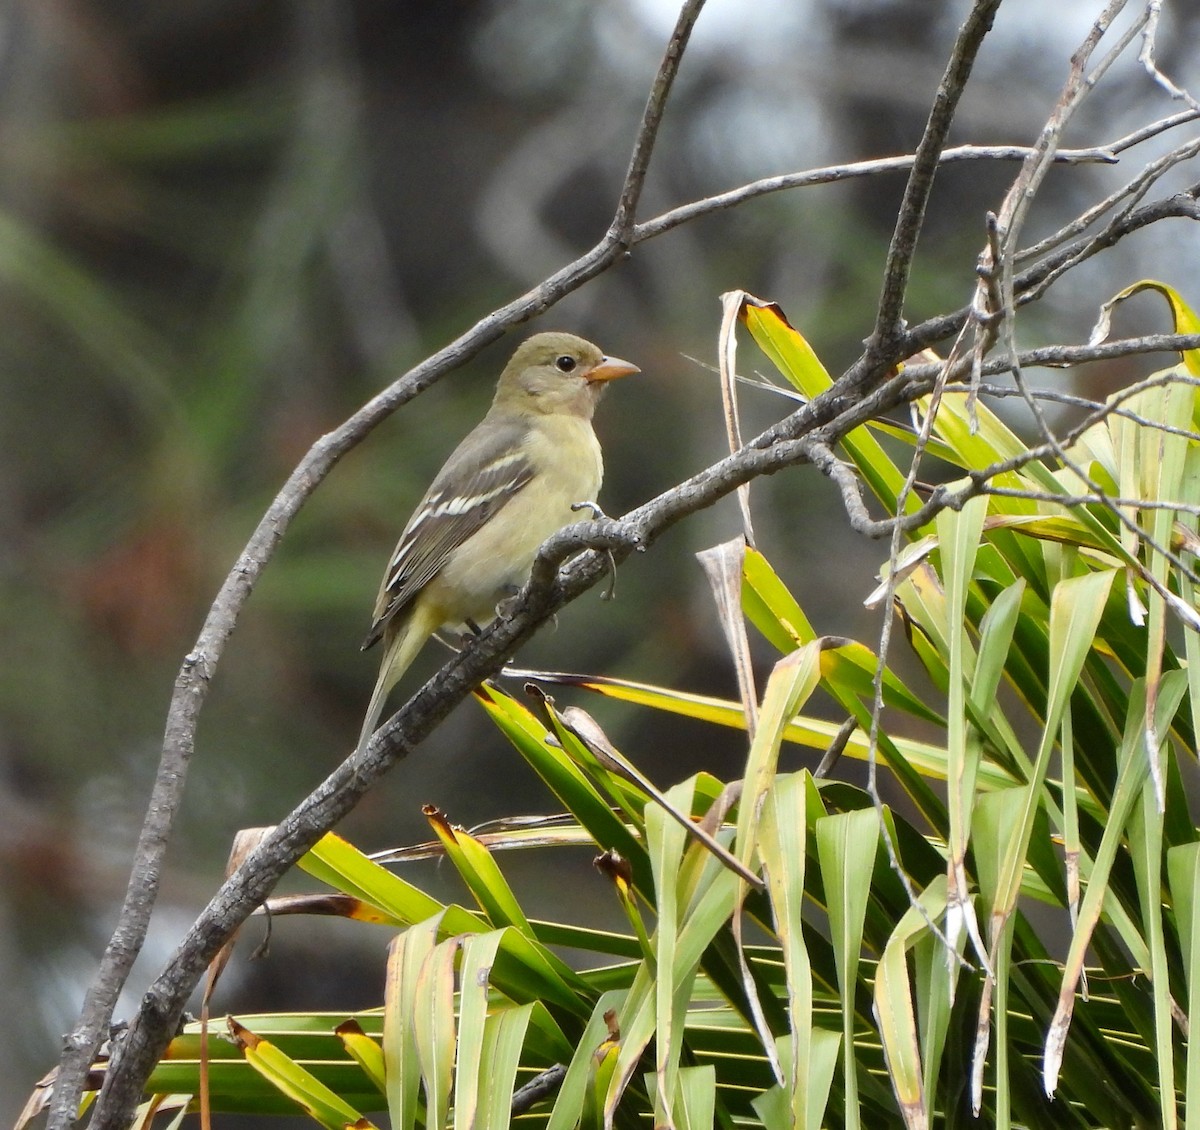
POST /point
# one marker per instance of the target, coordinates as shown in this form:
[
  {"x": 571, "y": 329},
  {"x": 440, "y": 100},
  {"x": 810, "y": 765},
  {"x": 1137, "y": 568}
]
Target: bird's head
[{"x": 558, "y": 373}]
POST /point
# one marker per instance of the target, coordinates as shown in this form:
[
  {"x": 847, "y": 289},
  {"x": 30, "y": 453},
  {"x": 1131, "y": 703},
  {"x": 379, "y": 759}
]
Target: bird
[{"x": 517, "y": 478}]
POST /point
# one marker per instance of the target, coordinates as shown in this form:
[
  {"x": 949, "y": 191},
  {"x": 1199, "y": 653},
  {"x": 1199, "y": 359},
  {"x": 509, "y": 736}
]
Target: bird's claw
[
  {"x": 507, "y": 606},
  {"x": 592, "y": 506}
]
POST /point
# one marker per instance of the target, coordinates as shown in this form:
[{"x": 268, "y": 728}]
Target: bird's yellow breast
[{"x": 496, "y": 560}]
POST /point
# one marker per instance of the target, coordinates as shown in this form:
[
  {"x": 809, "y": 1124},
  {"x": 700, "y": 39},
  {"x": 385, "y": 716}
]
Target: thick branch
[
  {"x": 549, "y": 590},
  {"x": 123, "y": 1084}
]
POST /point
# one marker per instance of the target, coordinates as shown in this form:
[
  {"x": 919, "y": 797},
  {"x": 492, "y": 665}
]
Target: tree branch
[
  {"x": 123, "y": 1083},
  {"x": 1136, "y": 189},
  {"x": 831, "y": 174},
  {"x": 549, "y": 590},
  {"x": 1027, "y": 286},
  {"x": 920, "y": 180},
  {"x": 643, "y": 146}
]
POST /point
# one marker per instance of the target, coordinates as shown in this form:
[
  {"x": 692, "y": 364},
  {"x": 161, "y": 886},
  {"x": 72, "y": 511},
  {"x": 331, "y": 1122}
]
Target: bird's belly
[{"x": 495, "y": 561}]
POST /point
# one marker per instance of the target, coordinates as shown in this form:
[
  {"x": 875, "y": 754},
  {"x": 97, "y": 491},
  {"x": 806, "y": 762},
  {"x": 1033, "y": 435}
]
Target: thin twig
[
  {"x": 832, "y": 174},
  {"x": 1135, "y": 190},
  {"x": 1073, "y": 500},
  {"x": 1153, "y": 129},
  {"x": 952, "y": 496},
  {"x": 656, "y": 102},
  {"x": 1146, "y": 57},
  {"x": 1181, "y": 205}
]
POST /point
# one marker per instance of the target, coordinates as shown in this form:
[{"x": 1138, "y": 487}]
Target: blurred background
[{"x": 224, "y": 226}]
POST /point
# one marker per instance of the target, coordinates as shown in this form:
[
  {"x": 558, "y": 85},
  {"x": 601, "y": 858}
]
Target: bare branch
[
  {"x": 979, "y": 481},
  {"x": 1153, "y": 129},
  {"x": 1079, "y": 83},
  {"x": 922, "y": 374},
  {"x": 1146, "y": 57},
  {"x": 995, "y": 293},
  {"x": 1053, "y": 396},
  {"x": 1135, "y": 190},
  {"x": 1027, "y": 285},
  {"x": 540, "y": 1087},
  {"x": 1069, "y": 356},
  {"x": 920, "y": 181},
  {"x": 1073, "y": 500},
  {"x": 647, "y": 134},
  {"x": 831, "y": 174}
]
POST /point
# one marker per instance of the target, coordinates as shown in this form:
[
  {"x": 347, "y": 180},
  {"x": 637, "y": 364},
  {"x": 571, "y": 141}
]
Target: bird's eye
[{"x": 566, "y": 363}]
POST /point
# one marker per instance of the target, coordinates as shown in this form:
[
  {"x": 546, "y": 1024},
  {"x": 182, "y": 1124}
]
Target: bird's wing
[{"x": 467, "y": 492}]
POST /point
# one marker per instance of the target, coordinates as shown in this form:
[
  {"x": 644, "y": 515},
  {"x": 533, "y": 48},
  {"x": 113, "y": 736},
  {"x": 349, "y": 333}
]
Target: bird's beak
[{"x": 609, "y": 369}]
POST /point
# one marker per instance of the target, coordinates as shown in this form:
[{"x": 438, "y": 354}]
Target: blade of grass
[
  {"x": 433, "y": 1025},
  {"x": 574, "y": 1091},
  {"x": 847, "y": 844},
  {"x": 893, "y": 1001},
  {"x": 959, "y": 536},
  {"x": 782, "y": 847},
  {"x": 471, "y": 1065},
  {"x": 406, "y": 956},
  {"x": 504, "y": 1037},
  {"x": 1183, "y": 876}
]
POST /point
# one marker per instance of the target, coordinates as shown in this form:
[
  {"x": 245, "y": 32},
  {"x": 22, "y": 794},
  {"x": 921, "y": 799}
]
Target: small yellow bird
[{"x": 507, "y": 487}]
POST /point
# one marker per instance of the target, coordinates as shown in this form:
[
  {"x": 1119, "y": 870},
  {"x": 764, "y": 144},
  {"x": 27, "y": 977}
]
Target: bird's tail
[{"x": 400, "y": 649}]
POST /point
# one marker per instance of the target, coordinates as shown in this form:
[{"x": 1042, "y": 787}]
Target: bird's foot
[
  {"x": 507, "y": 606},
  {"x": 592, "y": 506}
]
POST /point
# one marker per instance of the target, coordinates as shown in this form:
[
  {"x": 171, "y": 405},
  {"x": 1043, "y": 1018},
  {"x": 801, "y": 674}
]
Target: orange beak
[{"x": 609, "y": 369}]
